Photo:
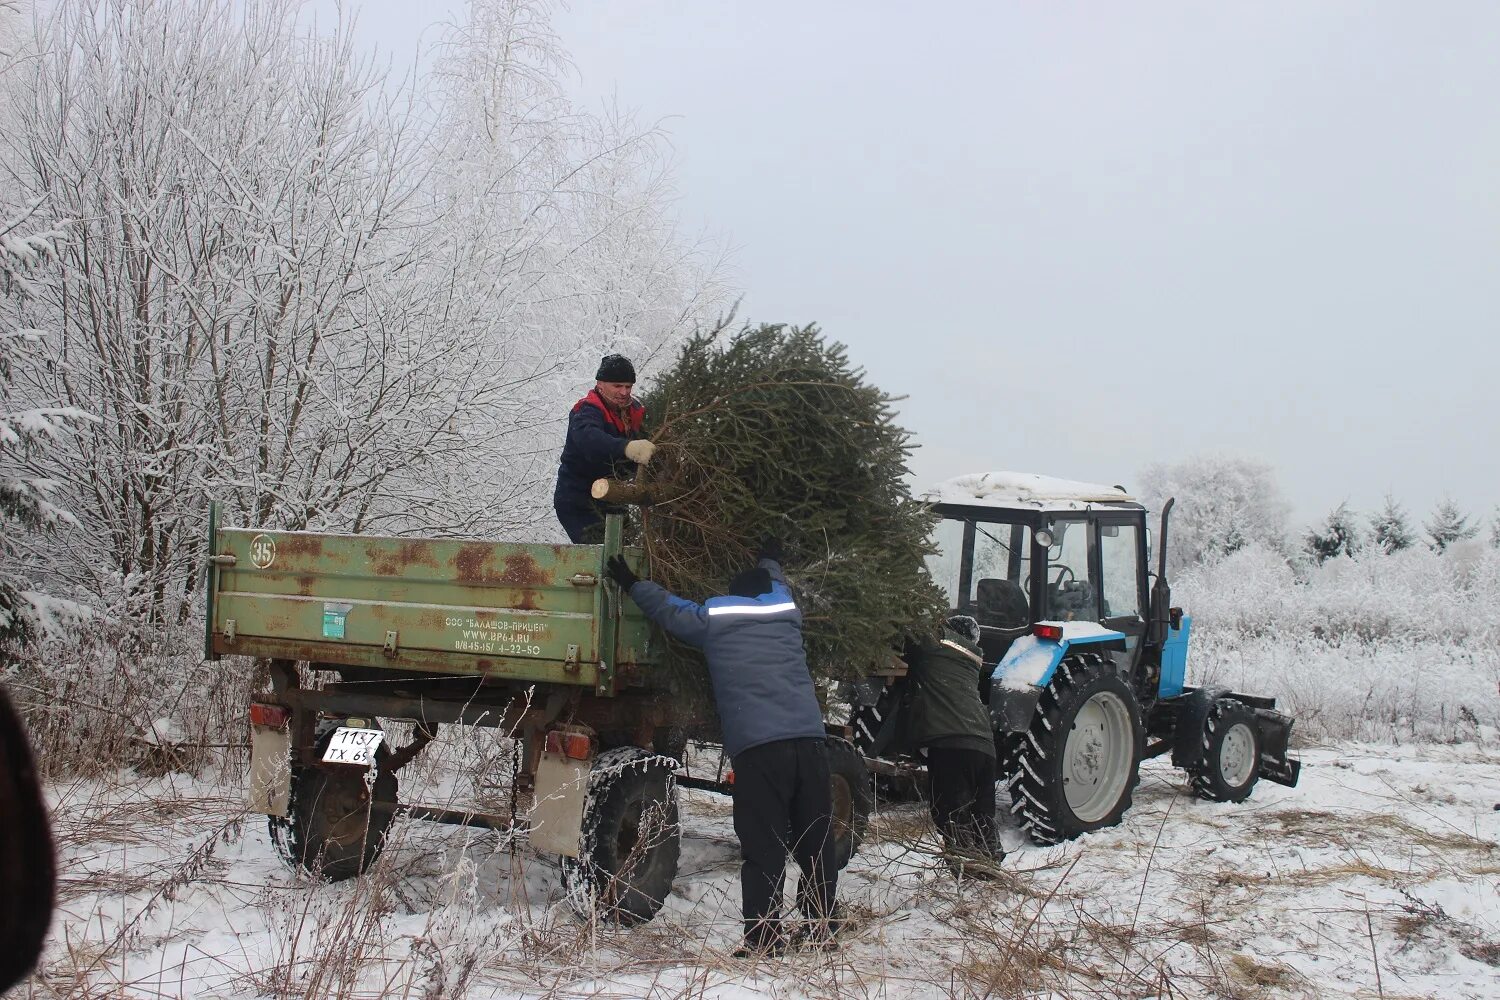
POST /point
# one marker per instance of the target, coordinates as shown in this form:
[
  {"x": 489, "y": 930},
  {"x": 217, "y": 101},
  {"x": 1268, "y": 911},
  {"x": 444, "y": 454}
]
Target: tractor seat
[{"x": 1001, "y": 604}]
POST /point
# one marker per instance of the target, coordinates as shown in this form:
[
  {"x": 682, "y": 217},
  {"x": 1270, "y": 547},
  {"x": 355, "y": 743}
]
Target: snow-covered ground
[{"x": 1379, "y": 876}]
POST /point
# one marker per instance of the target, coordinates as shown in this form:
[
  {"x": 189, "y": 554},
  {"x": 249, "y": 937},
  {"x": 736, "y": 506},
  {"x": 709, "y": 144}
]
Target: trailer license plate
[{"x": 353, "y": 746}]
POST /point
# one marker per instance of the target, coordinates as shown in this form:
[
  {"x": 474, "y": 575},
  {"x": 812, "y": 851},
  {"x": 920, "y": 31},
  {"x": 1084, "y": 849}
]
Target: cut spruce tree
[{"x": 772, "y": 432}]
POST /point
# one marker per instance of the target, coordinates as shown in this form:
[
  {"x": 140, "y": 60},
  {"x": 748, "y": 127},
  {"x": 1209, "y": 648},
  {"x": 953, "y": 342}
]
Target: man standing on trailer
[
  {"x": 950, "y": 722},
  {"x": 604, "y": 441},
  {"x": 773, "y": 732}
]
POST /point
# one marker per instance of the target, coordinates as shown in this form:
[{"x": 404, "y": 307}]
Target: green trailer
[{"x": 533, "y": 640}]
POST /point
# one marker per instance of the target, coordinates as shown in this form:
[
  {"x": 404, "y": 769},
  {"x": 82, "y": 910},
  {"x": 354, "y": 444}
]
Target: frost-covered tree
[
  {"x": 28, "y": 501},
  {"x": 574, "y": 210},
  {"x": 1223, "y": 504},
  {"x": 1495, "y": 529},
  {"x": 1447, "y": 525},
  {"x": 299, "y": 291},
  {"x": 242, "y": 301},
  {"x": 1338, "y": 535},
  {"x": 1391, "y": 529}
]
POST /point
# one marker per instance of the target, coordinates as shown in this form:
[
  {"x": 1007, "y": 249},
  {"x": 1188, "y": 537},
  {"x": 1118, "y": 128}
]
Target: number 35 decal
[{"x": 262, "y": 551}]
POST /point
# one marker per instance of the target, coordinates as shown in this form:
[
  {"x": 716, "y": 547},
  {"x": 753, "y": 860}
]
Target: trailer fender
[
  {"x": 561, "y": 791},
  {"x": 270, "y": 768}
]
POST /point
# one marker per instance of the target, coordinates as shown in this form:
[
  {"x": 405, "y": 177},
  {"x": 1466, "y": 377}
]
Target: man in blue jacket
[
  {"x": 773, "y": 732},
  {"x": 604, "y": 441}
]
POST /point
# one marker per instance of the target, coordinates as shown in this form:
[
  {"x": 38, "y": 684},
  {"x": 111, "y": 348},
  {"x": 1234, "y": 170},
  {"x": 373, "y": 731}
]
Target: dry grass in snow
[{"x": 1379, "y": 877}]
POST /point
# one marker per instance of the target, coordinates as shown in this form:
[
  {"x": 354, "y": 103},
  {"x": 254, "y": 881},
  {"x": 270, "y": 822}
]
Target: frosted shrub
[{"x": 1377, "y": 646}]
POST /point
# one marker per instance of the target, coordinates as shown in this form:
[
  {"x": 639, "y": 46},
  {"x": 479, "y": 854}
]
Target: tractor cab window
[
  {"x": 1071, "y": 593},
  {"x": 1000, "y": 576},
  {"x": 946, "y": 564},
  {"x": 1120, "y": 554}
]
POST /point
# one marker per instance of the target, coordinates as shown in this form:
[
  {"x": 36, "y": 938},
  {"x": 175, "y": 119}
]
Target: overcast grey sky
[{"x": 1085, "y": 237}]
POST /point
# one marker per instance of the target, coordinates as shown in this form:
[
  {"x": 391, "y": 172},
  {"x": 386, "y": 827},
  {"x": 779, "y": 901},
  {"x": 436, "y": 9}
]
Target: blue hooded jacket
[{"x": 756, "y": 662}]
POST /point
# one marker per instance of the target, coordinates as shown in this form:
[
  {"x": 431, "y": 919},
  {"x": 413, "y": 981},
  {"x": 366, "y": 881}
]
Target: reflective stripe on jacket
[{"x": 756, "y": 661}]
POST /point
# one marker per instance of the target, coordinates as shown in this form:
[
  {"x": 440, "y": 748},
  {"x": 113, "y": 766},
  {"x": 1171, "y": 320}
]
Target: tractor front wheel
[
  {"x": 1230, "y": 761},
  {"x": 1076, "y": 767}
]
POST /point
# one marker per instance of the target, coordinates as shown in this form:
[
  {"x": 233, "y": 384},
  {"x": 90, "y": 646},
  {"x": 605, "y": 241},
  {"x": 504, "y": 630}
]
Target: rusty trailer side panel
[{"x": 525, "y": 612}]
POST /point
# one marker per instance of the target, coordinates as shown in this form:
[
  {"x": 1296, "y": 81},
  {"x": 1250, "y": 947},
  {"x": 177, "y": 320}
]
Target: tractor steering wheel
[{"x": 1063, "y": 569}]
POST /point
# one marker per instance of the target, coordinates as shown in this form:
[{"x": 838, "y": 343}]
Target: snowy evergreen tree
[
  {"x": 28, "y": 503},
  {"x": 1448, "y": 525},
  {"x": 1495, "y": 529},
  {"x": 1390, "y": 528},
  {"x": 1339, "y": 535}
]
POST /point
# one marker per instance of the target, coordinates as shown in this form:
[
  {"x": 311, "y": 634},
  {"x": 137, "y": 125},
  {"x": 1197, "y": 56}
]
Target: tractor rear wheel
[
  {"x": 627, "y": 854},
  {"x": 1076, "y": 767},
  {"x": 876, "y": 735},
  {"x": 1230, "y": 761}
]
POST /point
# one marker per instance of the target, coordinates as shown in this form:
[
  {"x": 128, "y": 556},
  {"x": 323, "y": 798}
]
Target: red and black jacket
[{"x": 595, "y": 448}]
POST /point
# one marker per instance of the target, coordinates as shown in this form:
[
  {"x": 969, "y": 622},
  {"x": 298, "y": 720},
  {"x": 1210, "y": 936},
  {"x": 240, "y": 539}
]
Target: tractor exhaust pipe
[{"x": 1161, "y": 591}]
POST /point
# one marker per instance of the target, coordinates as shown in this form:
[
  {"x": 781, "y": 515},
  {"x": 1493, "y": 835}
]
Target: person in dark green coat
[{"x": 949, "y": 721}]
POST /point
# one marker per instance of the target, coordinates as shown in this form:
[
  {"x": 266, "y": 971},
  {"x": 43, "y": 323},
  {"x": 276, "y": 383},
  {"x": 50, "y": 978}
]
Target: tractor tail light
[
  {"x": 275, "y": 716},
  {"x": 578, "y": 746},
  {"x": 1053, "y": 632}
]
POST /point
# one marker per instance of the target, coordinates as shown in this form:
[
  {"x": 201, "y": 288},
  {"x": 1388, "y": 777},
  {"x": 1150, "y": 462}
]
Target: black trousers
[
  {"x": 783, "y": 805},
  {"x": 961, "y": 787},
  {"x": 584, "y": 524}
]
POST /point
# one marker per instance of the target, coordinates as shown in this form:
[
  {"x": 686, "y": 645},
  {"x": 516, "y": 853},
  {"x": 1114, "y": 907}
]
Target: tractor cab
[{"x": 1014, "y": 549}]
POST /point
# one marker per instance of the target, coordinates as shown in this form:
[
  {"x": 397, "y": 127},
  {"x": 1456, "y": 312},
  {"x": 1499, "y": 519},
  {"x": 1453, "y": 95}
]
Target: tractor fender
[
  {"x": 1031, "y": 659},
  {"x": 1027, "y": 668},
  {"x": 1192, "y": 713}
]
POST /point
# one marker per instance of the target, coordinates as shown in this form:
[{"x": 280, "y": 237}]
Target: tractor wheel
[
  {"x": 627, "y": 854},
  {"x": 875, "y": 725},
  {"x": 1077, "y": 766},
  {"x": 330, "y": 829},
  {"x": 1230, "y": 764},
  {"x": 849, "y": 783},
  {"x": 875, "y": 735}
]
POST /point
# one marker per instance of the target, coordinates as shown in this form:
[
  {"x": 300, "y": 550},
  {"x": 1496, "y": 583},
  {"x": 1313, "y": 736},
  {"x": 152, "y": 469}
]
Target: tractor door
[
  {"x": 998, "y": 585},
  {"x": 985, "y": 568},
  {"x": 1122, "y": 577},
  {"x": 1095, "y": 573}
]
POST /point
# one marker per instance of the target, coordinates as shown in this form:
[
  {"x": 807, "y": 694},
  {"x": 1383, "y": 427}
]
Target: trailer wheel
[
  {"x": 627, "y": 854},
  {"x": 330, "y": 830},
  {"x": 1230, "y": 761},
  {"x": 1077, "y": 766},
  {"x": 849, "y": 785}
]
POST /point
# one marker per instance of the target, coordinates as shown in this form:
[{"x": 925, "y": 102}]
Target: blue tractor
[{"x": 1085, "y": 656}]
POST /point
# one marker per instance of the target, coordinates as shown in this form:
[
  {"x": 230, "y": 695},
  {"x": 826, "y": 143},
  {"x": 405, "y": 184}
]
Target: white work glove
[{"x": 639, "y": 452}]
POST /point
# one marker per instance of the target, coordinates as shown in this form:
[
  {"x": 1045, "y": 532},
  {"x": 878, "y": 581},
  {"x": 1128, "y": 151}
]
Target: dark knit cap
[
  {"x": 964, "y": 626},
  {"x": 751, "y": 583},
  {"x": 615, "y": 368}
]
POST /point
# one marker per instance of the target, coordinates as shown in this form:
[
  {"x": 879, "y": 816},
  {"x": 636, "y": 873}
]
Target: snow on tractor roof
[{"x": 1022, "y": 489}]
